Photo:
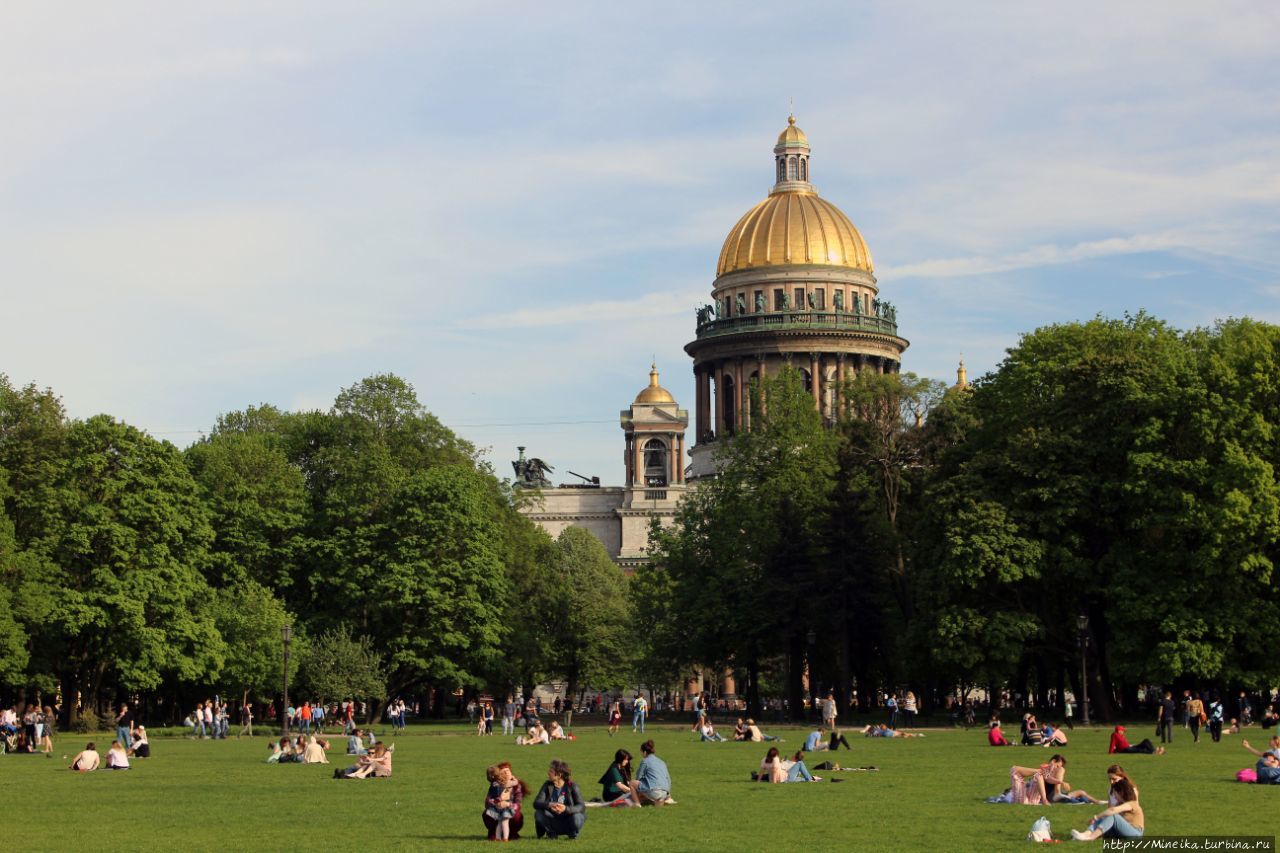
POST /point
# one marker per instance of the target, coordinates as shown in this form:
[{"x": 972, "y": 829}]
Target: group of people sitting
[
  {"x": 87, "y": 760},
  {"x": 559, "y": 807},
  {"x": 1047, "y": 784},
  {"x": 299, "y": 750},
  {"x": 537, "y": 733},
  {"x": 1033, "y": 734}
]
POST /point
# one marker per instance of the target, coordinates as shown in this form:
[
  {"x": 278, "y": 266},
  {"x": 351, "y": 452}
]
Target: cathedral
[{"x": 794, "y": 286}]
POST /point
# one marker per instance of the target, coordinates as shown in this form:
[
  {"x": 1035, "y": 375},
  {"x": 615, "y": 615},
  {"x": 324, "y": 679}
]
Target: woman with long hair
[
  {"x": 616, "y": 781},
  {"x": 519, "y": 790},
  {"x": 1124, "y": 818}
]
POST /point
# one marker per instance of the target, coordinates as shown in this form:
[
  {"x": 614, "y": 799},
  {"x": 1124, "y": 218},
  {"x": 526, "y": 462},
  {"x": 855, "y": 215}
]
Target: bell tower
[{"x": 654, "y": 427}]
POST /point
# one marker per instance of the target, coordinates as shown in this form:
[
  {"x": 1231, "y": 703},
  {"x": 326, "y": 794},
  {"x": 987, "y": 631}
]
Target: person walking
[
  {"x": 1195, "y": 710},
  {"x": 246, "y": 720},
  {"x": 1165, "y": 721},
  {"x": 1215, "y": 719},
  {"x": 509, "y": 716},
  {"x": 639, "y": 710},
  {"x": 891, "y": 705},
  {"x": 1067, "y": 710}
]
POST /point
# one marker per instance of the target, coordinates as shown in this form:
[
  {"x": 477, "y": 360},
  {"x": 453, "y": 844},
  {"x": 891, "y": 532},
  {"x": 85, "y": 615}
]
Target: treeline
[
  {"x": 1118, "y": 471},
  {"x": 131, "y": 568}
]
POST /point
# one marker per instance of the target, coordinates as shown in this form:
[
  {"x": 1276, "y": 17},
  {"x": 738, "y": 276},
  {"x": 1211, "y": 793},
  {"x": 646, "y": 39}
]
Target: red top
[
  {"x": 995, "y": 737},
  {"x": 1118, "y": 742}
]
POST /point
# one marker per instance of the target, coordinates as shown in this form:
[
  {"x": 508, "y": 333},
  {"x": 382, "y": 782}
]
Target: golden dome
[
  {"x": 792, "y": 136},
  {"x": 654, "y": 393},
  {"x": 794, "y": 228}
]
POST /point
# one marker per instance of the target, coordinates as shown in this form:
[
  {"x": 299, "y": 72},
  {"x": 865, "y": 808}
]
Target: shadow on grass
[{"x": 472, "y": 837}]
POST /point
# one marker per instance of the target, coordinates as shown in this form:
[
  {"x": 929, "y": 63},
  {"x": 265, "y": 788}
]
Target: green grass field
[{"x": 927, "y": 795}]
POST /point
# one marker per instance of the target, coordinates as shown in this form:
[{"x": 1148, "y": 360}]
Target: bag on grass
[
  {"x": 1247, "y": 775},
  {"x": 1040, "y": 831}
]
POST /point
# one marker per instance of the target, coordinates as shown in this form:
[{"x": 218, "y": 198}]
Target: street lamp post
[
  {"x": 1082, "y": 623},
  {"x": 286, "y": 634}
]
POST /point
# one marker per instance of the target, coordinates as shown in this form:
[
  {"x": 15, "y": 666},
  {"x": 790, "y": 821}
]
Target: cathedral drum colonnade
[{"x": 794, "y": 285}]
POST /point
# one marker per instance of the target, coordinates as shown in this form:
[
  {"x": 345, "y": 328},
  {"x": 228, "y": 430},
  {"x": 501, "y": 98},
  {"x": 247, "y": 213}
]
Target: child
[
  {"x": 615, "y": 718},
  {"x": 498, "y": 803}
]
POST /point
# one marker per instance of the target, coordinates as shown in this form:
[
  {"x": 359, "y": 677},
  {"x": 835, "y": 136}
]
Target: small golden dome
[
  {"x": 654, "y": 393},
  {"x": 794, "y": 228},
  {"x": 792, "y": 136}
]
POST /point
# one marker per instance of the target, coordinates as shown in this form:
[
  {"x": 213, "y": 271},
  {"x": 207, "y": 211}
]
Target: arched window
[
  {"x": 655, "y": 462},
  {"x": 782, "y": 170},
  {"x": 791, "y": 168},
  {"x": 804, "y": 169}
]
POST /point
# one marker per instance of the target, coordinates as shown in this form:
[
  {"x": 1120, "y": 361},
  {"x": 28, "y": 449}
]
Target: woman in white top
[{"x": 117, "y": 758}]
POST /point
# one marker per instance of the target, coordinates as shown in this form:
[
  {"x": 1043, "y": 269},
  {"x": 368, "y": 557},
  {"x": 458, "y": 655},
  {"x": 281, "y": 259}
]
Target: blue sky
[{"x": 208, "y": 206}]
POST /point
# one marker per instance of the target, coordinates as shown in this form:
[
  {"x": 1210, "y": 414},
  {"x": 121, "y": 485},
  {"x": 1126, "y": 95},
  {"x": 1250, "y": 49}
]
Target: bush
[{"x": 87, "y": 722}]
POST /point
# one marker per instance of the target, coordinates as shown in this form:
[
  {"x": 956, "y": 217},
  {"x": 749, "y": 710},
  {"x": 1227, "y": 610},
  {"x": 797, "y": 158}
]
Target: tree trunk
[
  {"x": 753, "y": 689},
  {"x": 795, "y": 680}
]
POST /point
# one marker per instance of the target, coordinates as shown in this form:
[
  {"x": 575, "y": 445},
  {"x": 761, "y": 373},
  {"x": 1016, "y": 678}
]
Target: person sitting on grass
[
  {"x": 559, "y": 808},
  {"x": 757, "y": 736},
  {"x": 1055, "y": 784},
  {"x": 141, "y": 744},
  {"x": 814, "y": 742},
  {"x": 708, "y": 732},
  {"x": 1031, "y": 735},
  {"x": 1123, "y": 819},
  {"x": 535, "y": 735},
  {"x": 86, "y": 760},
  {"x": 498, "y": 802},
  {"x": 1119, "y": 743},
  {"x": 275, "y": 753},
  {"x": 653, "y": 780},
  {"x": 555, "y": 732},
  {"x": 740, "y": 731},
  {"x": 1050, "y": 736},
  {"x": 314, "y": 752},
  {"x": 616, "y": 781},
  {"x": 117, "y": 757},
  {"x": 355, "y": 743},
  {"x": 995, "y": 737},
  {"x": 773, "y": 769}
]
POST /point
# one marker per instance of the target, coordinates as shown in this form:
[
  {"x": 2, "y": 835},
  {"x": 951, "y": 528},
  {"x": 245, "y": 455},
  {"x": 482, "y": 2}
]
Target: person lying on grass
[
  {"x": 881, "y": 730},
  {"x": 1268, "y": 769},
  {"x": 1124, "y": 818},
  {"x": 774, "y": 769},
  {"x": 377, "y": 764},
  {"x": 86, "y": 760}
]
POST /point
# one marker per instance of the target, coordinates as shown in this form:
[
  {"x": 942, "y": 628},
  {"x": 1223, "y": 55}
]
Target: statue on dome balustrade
[
  {"x": 742, "y": 305},
  {"x": 839, "y": 301}
]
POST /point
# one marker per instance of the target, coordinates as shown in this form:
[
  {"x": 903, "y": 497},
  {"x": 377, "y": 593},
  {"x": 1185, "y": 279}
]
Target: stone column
[
  {"x": 673, "y": 461},
  {"x": 719, "y": 369},
  {"x": 738, "y": 397},
  {"x": 637, "y": 457},
  {"x": 879, "y": 365},
  {"x": 815, "y": 380},
  {"x": 627, "y": 459}
]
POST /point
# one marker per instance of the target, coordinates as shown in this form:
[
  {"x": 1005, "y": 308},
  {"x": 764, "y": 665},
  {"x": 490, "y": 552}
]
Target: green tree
[
  {"x": 249, "y": 620},
  {"x": 129, "y": 601},
  {"x": 747, "y": 555},
  {"x": 257, "y": 501},
  {"x": 336, "y": 665},
  {"x": 590, "y": 643}
]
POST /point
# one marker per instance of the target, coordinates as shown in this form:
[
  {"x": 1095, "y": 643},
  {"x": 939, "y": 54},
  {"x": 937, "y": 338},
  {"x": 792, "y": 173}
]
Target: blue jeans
[
  {"x": 1115, "y": 826},
  {"x": 637, "y": 719},
  {"x": 125, "y": 736},
  {"x": 716, "y": 737},
  {"x": 799, "y": 773}
]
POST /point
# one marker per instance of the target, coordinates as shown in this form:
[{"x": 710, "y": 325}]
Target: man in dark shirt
[
  {"x": 1167, "y": 710},
  {"x": 124, "y": 726}
]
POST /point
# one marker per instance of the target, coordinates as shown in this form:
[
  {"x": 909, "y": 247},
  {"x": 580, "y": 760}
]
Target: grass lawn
[{"x": 927, "y": 795}]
